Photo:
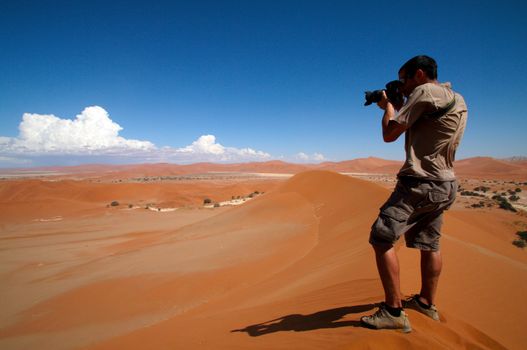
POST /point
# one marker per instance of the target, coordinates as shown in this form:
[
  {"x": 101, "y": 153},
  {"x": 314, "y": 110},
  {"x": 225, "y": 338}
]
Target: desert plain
[{"x": 248, "y": 256}]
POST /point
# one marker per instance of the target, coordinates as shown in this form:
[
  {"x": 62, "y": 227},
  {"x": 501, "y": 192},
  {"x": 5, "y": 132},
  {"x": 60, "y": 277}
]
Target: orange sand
[
  {"x": 22, "y": 200},
  {"x": 291, "y": 269}
]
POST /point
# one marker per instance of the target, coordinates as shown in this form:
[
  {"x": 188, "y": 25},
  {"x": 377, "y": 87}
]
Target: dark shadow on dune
[{"x": 300, "y": 323}]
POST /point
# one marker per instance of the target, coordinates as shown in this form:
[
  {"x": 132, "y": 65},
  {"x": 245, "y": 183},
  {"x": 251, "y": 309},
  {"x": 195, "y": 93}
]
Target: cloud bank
[
  {"x": 315, "y": 157},
  {"x": 93, "y": 134},
  {"x": 206, "y": 147}
]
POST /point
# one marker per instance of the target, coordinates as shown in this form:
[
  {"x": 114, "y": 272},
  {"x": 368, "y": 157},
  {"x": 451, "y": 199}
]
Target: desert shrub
[
  {"x": 114, "y": 203},
  {"x": 470, "y": 193},
  {"x": 256, "y": 192},
  {"x": 514, "y": 198},
  {"x": 251, "y": 195},
  {"x": 507, "y": 206},
  {"x": 520, "y": 243},
  {"x": 518, "y": 190},
  {"x": 130, "y": 206},
  {"x": 207, "y": 201},
  {"x": 478, "y": 205},
  {"x": 216, "y": 205},
  {"x": 482, "y": 188},
  {"x": 522, "y": 235},
  {"x": 504, "y": 203},
  {"x": 499, "y": 198}
]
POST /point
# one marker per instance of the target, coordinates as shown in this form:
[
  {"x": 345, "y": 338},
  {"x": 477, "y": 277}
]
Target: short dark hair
[{"x": 423, "y": 62}]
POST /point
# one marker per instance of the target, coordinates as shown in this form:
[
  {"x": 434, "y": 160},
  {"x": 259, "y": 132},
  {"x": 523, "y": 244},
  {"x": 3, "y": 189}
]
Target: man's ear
[{"x": 421, "y": 76}]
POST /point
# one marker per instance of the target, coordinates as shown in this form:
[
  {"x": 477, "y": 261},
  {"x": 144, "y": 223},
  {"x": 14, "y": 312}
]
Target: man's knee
[{"x": 381, "y": 248}]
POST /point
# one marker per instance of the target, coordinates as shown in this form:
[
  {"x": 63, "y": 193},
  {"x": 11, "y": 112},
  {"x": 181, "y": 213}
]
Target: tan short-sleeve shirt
[{"x": 431, "y": 141}]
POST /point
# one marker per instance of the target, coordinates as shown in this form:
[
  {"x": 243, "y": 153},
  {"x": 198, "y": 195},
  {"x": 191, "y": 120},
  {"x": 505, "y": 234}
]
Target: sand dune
[
  {"x": 291, "y": 269},
  {"x": 477, "y": 167},
  {"x": 24, "y": 200},
  {"x": 490, "y": 168},
  {"x": 363, "y": 165}
]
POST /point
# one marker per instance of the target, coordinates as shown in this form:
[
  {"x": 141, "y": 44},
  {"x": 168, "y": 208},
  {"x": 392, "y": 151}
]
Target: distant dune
[
  {"x": 291, "y": 269},
  {"x": 486, "y": 167},
  {"x": 363, "y": 165},
  {"x": 22, "y": 200},
  {"x": 477, "y": 167}
]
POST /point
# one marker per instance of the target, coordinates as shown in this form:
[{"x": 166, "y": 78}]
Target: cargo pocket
[
  {"x": 433, "y": 200},
  {"x": 395, "y": 213},
  {"x": 389, "y": 226},
  {"x": 436, "y": 196}
]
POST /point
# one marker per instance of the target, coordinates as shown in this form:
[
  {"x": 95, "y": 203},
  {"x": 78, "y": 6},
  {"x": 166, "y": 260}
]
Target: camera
[{"x": 395, "y": 96}]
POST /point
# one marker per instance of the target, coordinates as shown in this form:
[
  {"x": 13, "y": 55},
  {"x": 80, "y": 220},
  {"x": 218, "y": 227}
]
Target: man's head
[{"x": 417, "y": 71}]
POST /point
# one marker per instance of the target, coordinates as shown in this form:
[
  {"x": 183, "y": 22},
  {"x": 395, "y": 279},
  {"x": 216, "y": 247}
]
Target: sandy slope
[
  {"x": 291, "y": 269},
  {"x": 23, "y": 200}
]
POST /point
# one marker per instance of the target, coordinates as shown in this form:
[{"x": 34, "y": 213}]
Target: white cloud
[
  {"x": 315, "y": 157},
  {"x": 93, "y": 133},
  {"x": 302, "y": 156},
  {"x": 206, "y": 144},
  {"x": 205, "y": 148},
  {"x": 319, "y": 157}
]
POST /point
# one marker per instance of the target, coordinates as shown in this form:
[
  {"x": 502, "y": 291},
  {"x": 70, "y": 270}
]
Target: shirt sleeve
[{"x": 418, "y": 103}]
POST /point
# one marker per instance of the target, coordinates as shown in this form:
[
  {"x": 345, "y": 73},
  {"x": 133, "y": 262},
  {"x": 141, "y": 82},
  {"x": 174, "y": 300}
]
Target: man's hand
[
  {"x": 383, "y": 103},
  {"x": 391, "y": 130}
]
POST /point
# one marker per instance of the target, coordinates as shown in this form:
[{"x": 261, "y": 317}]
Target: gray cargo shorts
[{"x": 415, "y": 208}]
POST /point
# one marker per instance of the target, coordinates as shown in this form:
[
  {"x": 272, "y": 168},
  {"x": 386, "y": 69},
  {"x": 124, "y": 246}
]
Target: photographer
[{"x": 433, "y": 119}]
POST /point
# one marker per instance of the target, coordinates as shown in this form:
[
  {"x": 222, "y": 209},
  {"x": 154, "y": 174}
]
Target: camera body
[{"x": 395, "y": 96}]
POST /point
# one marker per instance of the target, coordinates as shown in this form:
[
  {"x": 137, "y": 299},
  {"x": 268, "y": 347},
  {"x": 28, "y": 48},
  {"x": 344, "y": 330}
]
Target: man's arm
[{"x": 391, "y": 130}]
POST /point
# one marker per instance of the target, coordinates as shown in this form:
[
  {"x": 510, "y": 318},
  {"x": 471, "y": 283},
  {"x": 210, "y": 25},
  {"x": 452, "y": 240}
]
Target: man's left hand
[{"x": 383, "y": 103}]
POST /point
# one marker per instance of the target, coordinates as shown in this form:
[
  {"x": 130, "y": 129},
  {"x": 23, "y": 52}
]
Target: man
[{"x": 433, "y": 119}]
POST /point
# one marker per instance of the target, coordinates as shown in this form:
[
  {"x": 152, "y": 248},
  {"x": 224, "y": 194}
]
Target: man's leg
[
  {"x": 431, "y": 264},
  {"x": 385, "y": 231},
  {"x": 388, "y": 267},
  {"x": 390, "y": 314}
]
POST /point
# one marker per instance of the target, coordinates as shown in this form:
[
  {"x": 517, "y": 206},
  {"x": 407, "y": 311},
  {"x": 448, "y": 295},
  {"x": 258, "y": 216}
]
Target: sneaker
[
  {"x": 382, "y": 319},
  {"x": 412, "y": 303}
]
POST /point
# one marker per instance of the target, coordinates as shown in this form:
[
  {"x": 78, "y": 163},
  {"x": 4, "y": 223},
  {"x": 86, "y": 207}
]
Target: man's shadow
[{"x": 300, "y": 323}]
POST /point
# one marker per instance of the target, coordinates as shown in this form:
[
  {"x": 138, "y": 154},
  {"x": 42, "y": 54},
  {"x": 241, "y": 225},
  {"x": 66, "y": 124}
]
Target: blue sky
[{"x": 245, "y": 80}]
